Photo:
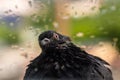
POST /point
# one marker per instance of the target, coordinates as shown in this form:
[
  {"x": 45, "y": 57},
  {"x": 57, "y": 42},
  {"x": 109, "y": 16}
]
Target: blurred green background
[
  {"x": 101, "y": 27},
  {"x": 90, "y": 29}
]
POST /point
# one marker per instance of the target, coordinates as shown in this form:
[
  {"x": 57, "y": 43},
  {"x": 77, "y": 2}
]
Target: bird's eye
[{"x": 56, "y": 36}]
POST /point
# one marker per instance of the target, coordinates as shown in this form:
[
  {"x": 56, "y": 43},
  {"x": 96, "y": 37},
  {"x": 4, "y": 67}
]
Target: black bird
[{"x": 62, "y": 60}]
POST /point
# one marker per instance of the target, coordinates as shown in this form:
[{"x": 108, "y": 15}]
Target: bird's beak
[{"x": 45, "y": 41}]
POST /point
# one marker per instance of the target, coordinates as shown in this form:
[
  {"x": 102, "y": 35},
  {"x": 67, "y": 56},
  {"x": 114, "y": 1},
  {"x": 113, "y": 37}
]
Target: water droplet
[
  {"x": 37, "y": 20},
  {"x": 66, "y": 5},
  {"x": 105, "y": 32},
  {"x": 55, "y": 24},
  {"x": 1, "y": 69},
  {"x": 30, "y": 3},
  {"x": 48, "y": 2},
  {"x": 2, "y": 22},
  {"x": 83, "y": 13},
  {"x": 6, "y": 12},
  {"x": 65, "y": 17},
  {"x": 36, "y": 69},
  {"x": 18, "y": 19},
  {"x": 31, "y": 57},
  {"x": 93, "y": 8},
  {"x": 38, "y": 30},
  {"x": 16, "y": 6},
  {"x": 10, "y": 35},
  {"x": 44, "y": 19},
  {"x": 34, "y": 17},
  {"x": 103, "y": 11},
  {"x": 14, "y": 47},
  {"x": 31, "y": 28},
  {"x": 80, "y": 34},
  {"x": 28, "y": 45},
  {"x": 62, "y": 67},
  {"x": 73, "y": 7},
  {"x": 14, "y": 37},
  {"x": 67, "y": 14},
  {"x": 10, "y": 10},
  {"x": 115, "y": 39},
  {"x": 101, "y": 43},
  {"x": 21, "y": 49},
  {"x": 11, "y": 24},
  {"x": 83, "y": 46},
  {"x": 0, "y": 17},
  {"x": 56, "y": 65},
  {"x": 51, "y": 60},
  {"x": 68, "y": 65},
  {"x": 92, "y": 36},
  {"x": 76, "y": 13},
  {"x": 46, "y": 27},
  {"x": 50, "y": 20},
  {"x": 113, "y": 8},
  {"x": 42, "y": 6},
  {"x": 101, "y": 28},
  {"x": 24, "y": 54}
]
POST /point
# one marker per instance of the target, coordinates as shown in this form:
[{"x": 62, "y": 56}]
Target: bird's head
[{"x": 51, "y": 40}]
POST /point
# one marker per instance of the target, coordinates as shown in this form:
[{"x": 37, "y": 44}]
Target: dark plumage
[{"x": 62, "y": 60}]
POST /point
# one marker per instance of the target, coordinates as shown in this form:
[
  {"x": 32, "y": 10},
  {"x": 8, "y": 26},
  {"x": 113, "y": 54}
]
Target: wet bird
[{"x": 60, "y": 59}]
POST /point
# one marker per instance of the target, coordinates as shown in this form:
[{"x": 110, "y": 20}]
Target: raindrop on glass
[
  {"x": 28, "y": 45},
  {"x": 13, "y": 37},
  {"x": 36, "y": 69},
  {"x": 101, "y": 43},
  {"x": 1, "y": 69},
  {"x": 103, "y": 11},
  {"x": 115, "y": 39},
  {"x": 37, "y": 20},
  {"x": 6, "y": 12},
  {"x": 18, "y": 19},
  {"x": 30, "y": 28},
  {"x": 93, "y": 8},
  {"x": 21, "y": 49},
  {"x": 10, "y": 10},
  {"x": 66, "y": 5},
  {"x": 113, "y": 8},
  {"x": 76, "y": 13},
  {"x": 83, "y": 46},
  {"x": 101, "y": 28},
  {"x": 80, "y": 34},
  {"x": 46, "y": 27},
  {"x": 24, "y": 54},
  {"x": 92, "y": 36},
  {"x": 11, "y": 24},
  {"x": 48, "y": 2},
  {"x": 105, "y": 32},
  {"x": 62, "y": 67},
  {"x": 2, "y": 22},
  {"x": 73, "y": 8},
  {"x": 16, "y": 6},
  {"x": 65, "y": 17},
  {"x": 0, "y": 17},
  {"x": 14, "y": 46},
  {"x": 30, "y": 3},
  {"x": 10, "y": 35},
  {"x": 55, "y": 24}
]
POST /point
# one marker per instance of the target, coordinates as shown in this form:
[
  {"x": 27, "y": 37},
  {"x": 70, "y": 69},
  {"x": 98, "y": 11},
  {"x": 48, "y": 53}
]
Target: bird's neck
[{"x": 63, "y": 52}]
